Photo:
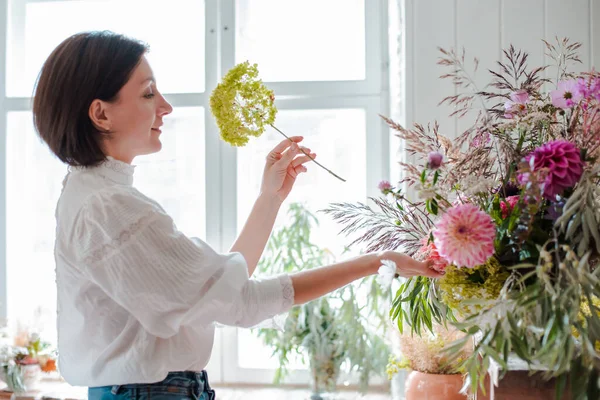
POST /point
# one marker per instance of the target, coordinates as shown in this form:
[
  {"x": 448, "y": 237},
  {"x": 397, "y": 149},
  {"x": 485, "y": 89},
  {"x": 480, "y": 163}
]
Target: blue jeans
[{"x": 185, "y": 385}]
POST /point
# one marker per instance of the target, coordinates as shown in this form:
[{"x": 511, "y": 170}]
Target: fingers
[
  {"x": 303, "y": 159},
  {"x": 295, "y": 171},
  {"x": 289, "y": 155},
  {"x": 410, "y": 267},
  {"x": 425, "y": 269},
  {"x": 284, "y": 144},
  {"x": 287, "y": 158},
  {"x": 431, "y": 273}
]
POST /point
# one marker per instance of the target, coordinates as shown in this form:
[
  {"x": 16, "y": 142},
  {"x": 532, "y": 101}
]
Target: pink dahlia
[
  {"x": 428, "y": 252},
  {"x": 567, "y": 94},
  {"x": 465, "y": 236},
  {"x": 563, "y": 162},
  {"x": 507, "y": 205}
]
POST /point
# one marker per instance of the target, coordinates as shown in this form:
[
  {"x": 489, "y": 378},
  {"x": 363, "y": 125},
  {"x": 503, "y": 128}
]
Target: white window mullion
[
  {"x": 15, "y": 30},
  {"x": 17, "y": 103},
  {"x": 378, "y": 141},
  {"x": 324, "y": 89},
  {"x": 212, "y": 158},
  {"x": 3, "y": 126},
  {"x": 228, "y": 167},
  {"x": 379, "y": 165},
  {"x": 373, "y": 44},
  {"x": 228, "y": 153},
  {"x": 377, "y": 58}
]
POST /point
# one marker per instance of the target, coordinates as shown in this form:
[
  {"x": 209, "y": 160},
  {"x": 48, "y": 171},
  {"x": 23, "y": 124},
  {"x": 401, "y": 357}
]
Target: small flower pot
[
  {"x": 421, "y": 386},
  {"x": 21, "y": 378}
]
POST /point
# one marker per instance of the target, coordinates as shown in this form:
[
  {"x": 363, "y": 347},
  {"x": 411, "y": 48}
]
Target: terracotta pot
[{"x": 421, "y": 386}]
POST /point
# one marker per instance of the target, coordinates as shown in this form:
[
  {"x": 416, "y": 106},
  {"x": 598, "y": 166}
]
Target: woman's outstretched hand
[
  {"x": 284, "y": 163},
  {"x": 408, "y": 267}
]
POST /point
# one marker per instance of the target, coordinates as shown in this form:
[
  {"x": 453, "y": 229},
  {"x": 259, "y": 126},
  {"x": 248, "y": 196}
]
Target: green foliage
[
  {"x": 580, "y": 220},
  {"x": 542, "y": 323},
  {"x": 341, "y": 330}
]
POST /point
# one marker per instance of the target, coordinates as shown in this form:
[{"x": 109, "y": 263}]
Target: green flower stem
[{"x": 309, "y": 156}]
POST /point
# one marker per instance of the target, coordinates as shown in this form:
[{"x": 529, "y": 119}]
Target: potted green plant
[
  {"x": 342, "y": 331},
  {"x": 21, "y": 367},
  {"x": 433, "y": 376}
]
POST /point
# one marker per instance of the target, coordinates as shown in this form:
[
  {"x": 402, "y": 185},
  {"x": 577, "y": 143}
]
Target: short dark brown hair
[{"x": 84, "y": 67}]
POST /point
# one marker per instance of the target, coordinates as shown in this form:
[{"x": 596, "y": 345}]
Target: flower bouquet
[{"x": 510, "y": 212}]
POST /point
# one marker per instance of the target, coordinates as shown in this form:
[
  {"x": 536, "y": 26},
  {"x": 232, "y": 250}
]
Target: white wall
[{"x": 483, "y": 28}]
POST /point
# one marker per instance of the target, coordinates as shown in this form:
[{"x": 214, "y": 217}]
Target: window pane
[
  {"x": 305, "y": 40},
  {"x": 336, "y": 136},
  {"x": 175, "y": 176},
  {"x": 175, "y": 33},
  {"x": 33, "y": 185}
]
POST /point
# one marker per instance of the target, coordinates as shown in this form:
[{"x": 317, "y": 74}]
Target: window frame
[
  {"x": 370, "y": 94},
  {"x": 3, "y": 124}
]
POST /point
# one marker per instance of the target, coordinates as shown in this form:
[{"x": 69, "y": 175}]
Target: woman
[{"x": 137, "y": 299}]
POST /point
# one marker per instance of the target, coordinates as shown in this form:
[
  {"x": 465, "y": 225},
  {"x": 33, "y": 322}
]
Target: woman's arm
[
  {"x": 257, "y": 229},
  {"x": 314, "y": 283}
]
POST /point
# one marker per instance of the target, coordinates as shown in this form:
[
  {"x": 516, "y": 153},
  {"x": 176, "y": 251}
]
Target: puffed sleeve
[{"x": 131, "y": 248}]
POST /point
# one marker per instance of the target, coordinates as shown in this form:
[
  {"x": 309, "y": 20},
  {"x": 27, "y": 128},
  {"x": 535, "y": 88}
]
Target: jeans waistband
[{"x": 177, "y": 378}]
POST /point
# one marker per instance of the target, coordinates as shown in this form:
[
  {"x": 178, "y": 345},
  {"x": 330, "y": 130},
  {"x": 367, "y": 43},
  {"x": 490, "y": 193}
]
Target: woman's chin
[{"x": 154, "y": 147}]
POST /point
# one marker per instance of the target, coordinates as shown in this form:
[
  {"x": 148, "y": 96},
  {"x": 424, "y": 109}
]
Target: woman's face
[{"x": 135, "y": 118}]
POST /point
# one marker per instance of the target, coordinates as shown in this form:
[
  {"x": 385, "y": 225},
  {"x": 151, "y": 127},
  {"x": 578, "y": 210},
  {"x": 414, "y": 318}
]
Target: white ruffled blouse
[{"x": 136, "y": 297}]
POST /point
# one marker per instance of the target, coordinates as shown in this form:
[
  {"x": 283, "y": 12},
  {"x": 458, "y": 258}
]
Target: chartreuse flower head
[
  {"x": 242, "y": 105},
  {"x": 484, "y": 282}
]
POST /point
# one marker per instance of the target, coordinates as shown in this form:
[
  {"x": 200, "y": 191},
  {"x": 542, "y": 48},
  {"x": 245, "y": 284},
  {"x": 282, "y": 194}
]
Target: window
[{"x": 326, "y": 68}]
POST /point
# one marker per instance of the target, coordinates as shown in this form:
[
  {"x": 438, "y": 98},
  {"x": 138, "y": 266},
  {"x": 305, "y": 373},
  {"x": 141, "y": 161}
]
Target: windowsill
[{"x": 55, "y": 388}]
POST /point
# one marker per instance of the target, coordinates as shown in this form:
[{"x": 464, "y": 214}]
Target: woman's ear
[{"x": 98, "y": 115}]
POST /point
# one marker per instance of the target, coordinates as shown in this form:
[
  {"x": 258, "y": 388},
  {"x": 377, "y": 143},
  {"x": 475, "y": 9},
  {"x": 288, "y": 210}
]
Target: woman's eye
[{"x": 149, "y": 95}]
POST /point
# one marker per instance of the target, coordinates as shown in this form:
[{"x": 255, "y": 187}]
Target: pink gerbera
[{"x": 465, "y": 236}]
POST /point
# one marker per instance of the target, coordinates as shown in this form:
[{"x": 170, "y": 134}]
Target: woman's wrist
[
  {"x": 271, "y": 200},
  {"x": 373, "y": 262}
]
